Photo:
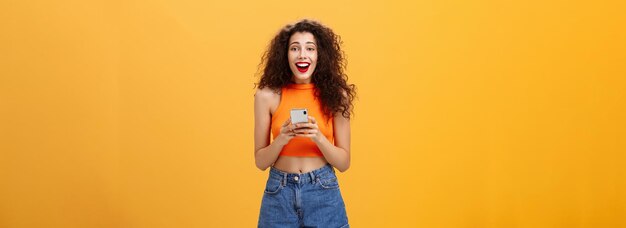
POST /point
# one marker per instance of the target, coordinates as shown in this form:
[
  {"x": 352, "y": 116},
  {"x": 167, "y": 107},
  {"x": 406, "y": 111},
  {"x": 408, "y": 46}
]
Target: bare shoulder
[
  {"x": 267, "y": 97},
  {"x": 344, "y": 94},
  {"x": 265, "y": 94},
  {"x": 338, "y": 116}
]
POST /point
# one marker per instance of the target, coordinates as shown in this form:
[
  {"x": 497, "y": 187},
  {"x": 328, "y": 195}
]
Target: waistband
[{"x": 300, "y": 177}]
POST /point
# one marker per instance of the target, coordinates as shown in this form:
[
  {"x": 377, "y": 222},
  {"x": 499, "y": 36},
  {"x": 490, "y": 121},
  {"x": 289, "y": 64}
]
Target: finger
[
  {"x": 313, "y": 120},
  {"x": 306, "y": 131},
  {"x": 288, "y": 129},
  {"x": 307, "y": 125},
  {"x": 287, "y": 122},
  {"x": 309, "y": 135},
  {"x": 289, "y": 132}
]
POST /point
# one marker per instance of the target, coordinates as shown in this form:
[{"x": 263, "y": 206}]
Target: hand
[
  {"x": 286, "y": 132},
  {"x": 309, "y": 130}
]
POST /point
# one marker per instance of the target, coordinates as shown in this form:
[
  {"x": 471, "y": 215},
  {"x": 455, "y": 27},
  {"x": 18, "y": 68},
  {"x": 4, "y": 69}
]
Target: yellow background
[{"x": 470, "y": 113}]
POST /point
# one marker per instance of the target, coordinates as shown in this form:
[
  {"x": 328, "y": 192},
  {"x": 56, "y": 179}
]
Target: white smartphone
[{"x": 299, "y": 115}]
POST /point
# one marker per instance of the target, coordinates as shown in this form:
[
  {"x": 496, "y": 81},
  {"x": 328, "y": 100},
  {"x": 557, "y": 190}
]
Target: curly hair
[{"x": 329, "y": 78}]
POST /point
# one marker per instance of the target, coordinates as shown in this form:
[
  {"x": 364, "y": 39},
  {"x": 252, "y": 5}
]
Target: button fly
[{"x": 296, "y": 178}]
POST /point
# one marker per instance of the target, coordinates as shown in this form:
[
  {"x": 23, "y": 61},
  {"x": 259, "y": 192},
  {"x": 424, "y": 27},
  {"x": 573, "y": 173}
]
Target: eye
[
  {"x": 311, "y": 49},
  {"x": 294, "y": 48}
]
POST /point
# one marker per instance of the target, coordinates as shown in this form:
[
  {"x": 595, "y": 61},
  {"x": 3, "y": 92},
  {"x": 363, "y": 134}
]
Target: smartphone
[{"x": 299, "y": 115}]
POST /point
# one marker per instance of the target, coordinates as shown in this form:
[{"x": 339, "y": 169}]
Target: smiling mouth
[{"x": 303, "y": 66}]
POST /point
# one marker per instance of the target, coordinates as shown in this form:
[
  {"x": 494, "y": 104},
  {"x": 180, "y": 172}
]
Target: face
[{"x": 302, "y": 55}]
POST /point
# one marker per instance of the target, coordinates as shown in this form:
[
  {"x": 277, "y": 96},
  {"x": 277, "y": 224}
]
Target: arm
[
  {"x": 265, "y": 154},
  {"x": 337, "y": 155}
]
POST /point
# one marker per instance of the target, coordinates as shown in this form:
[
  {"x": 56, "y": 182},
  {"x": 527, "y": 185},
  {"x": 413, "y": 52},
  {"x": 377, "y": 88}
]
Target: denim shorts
[{"x": 308, "y": 199}]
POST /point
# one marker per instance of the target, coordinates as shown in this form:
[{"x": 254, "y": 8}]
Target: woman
[{"x": 303, "y": 68}]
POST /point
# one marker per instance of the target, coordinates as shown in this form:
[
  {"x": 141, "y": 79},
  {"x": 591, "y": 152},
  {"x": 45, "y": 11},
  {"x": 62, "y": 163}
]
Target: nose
[{"x": 301, "y": 54}]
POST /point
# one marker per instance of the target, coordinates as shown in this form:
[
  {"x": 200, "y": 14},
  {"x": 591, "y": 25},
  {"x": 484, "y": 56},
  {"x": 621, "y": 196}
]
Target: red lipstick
[{"x": 303, "y": 66}]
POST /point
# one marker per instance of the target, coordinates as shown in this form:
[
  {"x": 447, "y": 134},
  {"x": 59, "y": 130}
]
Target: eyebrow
[{"x": 308, "y": 42}]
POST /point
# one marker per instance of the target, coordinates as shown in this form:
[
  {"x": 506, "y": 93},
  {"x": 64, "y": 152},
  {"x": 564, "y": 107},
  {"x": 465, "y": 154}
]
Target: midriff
[{"x": 292, "y": 164}]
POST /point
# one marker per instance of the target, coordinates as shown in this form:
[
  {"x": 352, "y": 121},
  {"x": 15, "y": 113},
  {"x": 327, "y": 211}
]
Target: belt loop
[
  {"x": 284, "y": 179},
  {"x": 312, "y": 177}
]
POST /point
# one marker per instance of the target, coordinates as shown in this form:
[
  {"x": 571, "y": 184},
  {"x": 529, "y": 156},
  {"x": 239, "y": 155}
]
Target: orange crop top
[{"x": 301, "y": 96}]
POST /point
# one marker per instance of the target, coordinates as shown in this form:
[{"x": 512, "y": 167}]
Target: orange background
[{"x": 470, "y": 113}]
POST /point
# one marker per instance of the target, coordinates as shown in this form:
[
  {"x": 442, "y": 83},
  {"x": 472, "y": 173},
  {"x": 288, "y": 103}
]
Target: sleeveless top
[{"x": 301, "y": 96}]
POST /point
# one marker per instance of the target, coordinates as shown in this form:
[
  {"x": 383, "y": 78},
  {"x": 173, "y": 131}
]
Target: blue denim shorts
[{"x": 308, "y": 199}]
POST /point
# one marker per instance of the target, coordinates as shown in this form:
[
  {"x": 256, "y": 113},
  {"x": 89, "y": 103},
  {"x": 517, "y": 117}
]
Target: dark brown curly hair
[{"x": 329, "y": 78}]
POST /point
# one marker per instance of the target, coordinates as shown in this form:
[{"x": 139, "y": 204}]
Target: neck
[{"x": 296, "y": 81}]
